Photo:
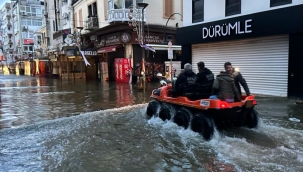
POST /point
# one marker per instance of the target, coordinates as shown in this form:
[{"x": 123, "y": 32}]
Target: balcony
[
  {"x": 119, "y": 15},
  {"x": 10, "y": 42},
  {"x": 9, "y": 32},
  {"x": 91, "y": 23},
  {"x": 8, "y": 15},
  {"x": 7, "y": 6},
  {"x": 9, "y": 24}
]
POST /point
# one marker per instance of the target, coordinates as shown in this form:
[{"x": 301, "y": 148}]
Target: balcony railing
[
  {"x": 119, "y": 15},
  {"x": 8, "y": 15},
  {"x": 91, "y": 23},
  {"x": 9, "y": 24}
]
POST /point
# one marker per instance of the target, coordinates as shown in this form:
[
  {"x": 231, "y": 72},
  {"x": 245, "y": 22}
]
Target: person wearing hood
[
  {"x": 224, "y": 88},
  {"x": 187, "y": 77}
]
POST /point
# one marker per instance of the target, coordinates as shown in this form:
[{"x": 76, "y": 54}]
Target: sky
[{"x": 2, "y": 2}]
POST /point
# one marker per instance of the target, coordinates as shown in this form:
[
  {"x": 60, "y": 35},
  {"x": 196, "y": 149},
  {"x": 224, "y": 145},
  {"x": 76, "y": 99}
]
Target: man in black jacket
[
  {"x": 186, "y": 78},
  {"x": 238, "y": 78},
  {"x": 205, "y": 76}
]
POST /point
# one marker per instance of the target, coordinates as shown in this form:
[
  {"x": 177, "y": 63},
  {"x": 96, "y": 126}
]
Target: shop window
[
  {"x": 168, "y": 8},
  {"x": 232, "y": 7},
  {"x": 197, "y": 11},
  {"x": 274, "y": 3}
]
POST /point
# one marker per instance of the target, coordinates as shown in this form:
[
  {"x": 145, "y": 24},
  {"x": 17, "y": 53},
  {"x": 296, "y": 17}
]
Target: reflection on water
[{"x": 27, "y": 100}]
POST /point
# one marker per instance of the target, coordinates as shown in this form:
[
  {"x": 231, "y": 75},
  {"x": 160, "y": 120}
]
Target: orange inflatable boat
[{"x": 202, "y": 115}]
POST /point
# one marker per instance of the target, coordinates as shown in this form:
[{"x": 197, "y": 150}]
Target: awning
[
  {"x": 164, "y": 47},
  {"x": 147, "y": 47},
  {"x": 107, "y": 49}
]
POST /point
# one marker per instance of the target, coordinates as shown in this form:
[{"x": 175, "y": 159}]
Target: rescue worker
[
  {"x": 224, "y": 88},
  {"x": 205, "y": 75},
  {"x": 186, "y": 78},
  {"x": 238, "y": 78}
]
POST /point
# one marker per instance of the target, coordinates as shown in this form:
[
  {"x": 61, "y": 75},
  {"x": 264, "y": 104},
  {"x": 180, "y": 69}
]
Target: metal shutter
[{"x": 262, "y": 61}]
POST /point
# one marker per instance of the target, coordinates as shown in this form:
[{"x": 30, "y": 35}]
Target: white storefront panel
[{"x": 262, "y": 61}]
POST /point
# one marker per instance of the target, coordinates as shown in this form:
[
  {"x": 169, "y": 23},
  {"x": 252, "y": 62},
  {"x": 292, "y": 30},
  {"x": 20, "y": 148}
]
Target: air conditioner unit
[
  {"x": 23, "y": 13},
  {"x": 45, "y": 13}
]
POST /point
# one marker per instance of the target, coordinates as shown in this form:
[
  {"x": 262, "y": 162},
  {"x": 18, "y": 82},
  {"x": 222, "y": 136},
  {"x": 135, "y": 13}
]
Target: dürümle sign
[{"x": 227, "y": 29}]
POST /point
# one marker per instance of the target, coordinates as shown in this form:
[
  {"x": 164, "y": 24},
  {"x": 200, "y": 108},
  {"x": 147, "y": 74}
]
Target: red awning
[{"x": 107, "y": 49}]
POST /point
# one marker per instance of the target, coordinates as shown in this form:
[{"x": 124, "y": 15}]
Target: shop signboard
[{"x": 28, "y": 41}]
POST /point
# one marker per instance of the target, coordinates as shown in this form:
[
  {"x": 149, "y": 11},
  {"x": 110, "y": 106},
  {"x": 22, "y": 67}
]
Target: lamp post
[
  {"x": 167, "y": 23},
  {"x": 139, "y": 27}
]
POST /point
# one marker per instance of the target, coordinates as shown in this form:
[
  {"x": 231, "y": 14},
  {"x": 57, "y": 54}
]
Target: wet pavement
[{"x": 55, "y": 125}]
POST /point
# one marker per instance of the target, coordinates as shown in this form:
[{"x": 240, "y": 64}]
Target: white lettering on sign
[
  {"x": 226, "y": 29},
  {"x": 90, "y": 53},
  {"x": 204, "y": 103}
]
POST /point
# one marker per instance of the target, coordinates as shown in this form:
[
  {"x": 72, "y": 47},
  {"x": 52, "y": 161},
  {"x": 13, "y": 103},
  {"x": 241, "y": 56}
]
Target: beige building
[{"x": 106, "y": 34}]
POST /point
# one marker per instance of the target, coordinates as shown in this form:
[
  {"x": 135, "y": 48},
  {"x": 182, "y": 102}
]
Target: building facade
[
  {"x": 107, "y": 35},
  {"x": 7, "y": 33},
  {"x": 261, "y": 38}
]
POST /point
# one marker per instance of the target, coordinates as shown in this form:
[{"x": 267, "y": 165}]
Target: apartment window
[
  {"x": 54, "y": 25},
  {"x": 80, "y": 18},
  {"x": 274, "y": 3},
  {"x": 198, "y": 11},
  {"x": 75, "y": 20},
  {"x": 118, "y": 4},
  {"x": 105, "y": 9},
  {"x": 232, "y": 7},
  {"x": 128, "y": 3},
  {"x": 168, "y": 8},
  {"x": 92, "y": 10}
]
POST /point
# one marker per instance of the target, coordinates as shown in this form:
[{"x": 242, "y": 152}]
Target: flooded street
[{"x": 54, "y": 125}]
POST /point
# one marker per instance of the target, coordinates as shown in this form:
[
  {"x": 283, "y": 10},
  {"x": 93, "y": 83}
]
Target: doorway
[{"x": 295, "y": 73}]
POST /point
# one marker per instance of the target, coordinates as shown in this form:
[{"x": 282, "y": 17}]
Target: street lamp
[{"x": 134, "y": 16}]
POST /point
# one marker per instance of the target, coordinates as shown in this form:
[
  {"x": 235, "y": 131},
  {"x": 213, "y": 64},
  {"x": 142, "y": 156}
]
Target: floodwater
[{"x": 54, "y": 125}]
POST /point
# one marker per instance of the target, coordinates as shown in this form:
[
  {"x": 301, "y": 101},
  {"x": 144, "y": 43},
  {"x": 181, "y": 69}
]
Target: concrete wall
[{"x": 215, "y": 9}]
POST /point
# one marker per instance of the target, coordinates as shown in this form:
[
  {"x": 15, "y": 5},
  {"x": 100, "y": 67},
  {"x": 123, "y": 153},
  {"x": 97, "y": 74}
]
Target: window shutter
[
  {"x": 167, "y": 8},
  {"x": 105, "y": 9},
  {"x": 80, "y": 18},
  {"x": 75, "y": 20}
]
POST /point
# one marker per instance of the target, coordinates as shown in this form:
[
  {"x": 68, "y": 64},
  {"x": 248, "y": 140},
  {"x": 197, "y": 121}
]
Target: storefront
[
  {"x": 265, "y": 47},
  {"x": 120, "y": 41}
]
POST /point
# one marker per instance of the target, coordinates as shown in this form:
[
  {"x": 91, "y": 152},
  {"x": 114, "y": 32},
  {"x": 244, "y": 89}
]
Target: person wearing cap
[
  {"x": 163, "y": 80},
  {"x": 187, "y": 77}
]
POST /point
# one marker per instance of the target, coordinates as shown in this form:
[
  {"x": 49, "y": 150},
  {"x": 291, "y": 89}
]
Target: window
[
  {"x": 92, "y": 10},
  {"x": 168, "y": 8},
  {"x": 80, "y": 18},
  {"x": 54, "y": 25},
  {"x": 198, "y": 11},
  {"x": 117, "y": 4},
  {"x": 274, "y": 3},
  {"x": 75, "y": 20},
  {"x": 105, "y": 10},
  {"x": 232, "y": 7},
  {"x": 128, "y": 3}
]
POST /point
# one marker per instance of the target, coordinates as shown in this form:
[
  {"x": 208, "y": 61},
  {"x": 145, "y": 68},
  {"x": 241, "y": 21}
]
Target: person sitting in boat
[
  {"x": 224, "y": 88},
  {"x": 205, "y": 81},
  {"x": 163, "y": 80},
  {"x": 186, "y": 78},
  {"x": 205, "y": 75}
]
